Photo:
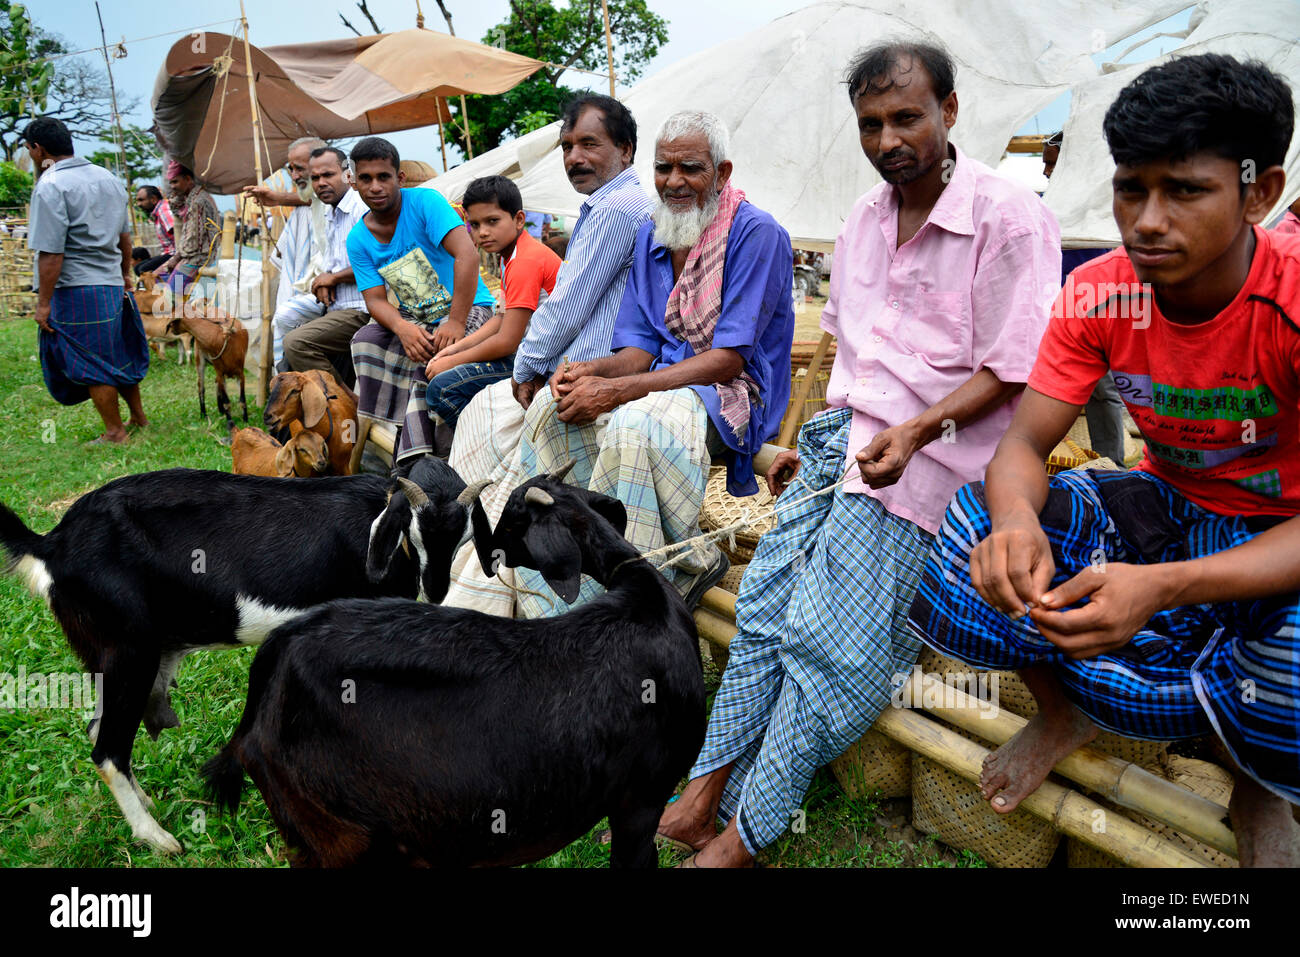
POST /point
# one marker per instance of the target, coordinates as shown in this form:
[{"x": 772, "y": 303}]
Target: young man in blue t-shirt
[{"x": 413, "y": 245}]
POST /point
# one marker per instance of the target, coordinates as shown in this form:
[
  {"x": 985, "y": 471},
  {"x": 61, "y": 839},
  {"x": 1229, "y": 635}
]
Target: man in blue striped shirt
[{"x": 598, "y": 140}]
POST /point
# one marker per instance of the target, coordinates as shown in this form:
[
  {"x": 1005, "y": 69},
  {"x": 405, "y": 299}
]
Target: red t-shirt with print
[
  {"x": 1218, "y": 403},
  {"x": 532, "y": 268}
]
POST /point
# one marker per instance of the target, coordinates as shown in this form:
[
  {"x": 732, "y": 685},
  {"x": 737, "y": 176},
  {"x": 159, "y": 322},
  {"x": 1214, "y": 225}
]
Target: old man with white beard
[{"x": 700, "y": 364}]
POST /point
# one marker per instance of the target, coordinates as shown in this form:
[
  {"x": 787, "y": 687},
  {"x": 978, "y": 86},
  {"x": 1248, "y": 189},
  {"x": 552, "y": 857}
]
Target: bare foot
[
  {"x": 1015, "y": 770},
  {"x": 686, "y": 821},
  {"x": 1267, "y": 834},
  {"x": 116, "y": 437},
  {"x": 727, "y": 851},
  {"x": 137, "y": 422}
]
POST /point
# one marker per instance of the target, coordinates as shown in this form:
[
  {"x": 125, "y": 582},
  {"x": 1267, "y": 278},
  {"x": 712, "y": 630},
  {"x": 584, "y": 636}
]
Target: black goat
[
  {"x": 150, "y": 567},
  {"x": 393, "y": 733}
]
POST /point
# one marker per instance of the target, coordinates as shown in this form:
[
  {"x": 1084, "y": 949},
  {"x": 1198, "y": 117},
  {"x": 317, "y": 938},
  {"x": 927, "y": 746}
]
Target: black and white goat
[
  {"x": 150, "y": 567},
  {"x": 390, "y": 732}
]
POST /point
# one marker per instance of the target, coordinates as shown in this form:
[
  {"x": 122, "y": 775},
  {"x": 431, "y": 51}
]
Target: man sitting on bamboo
[
  {"x": 1162, "y": 602},
  {"x": 940, "y": 291},
  {"x": 701, "y": 363}
]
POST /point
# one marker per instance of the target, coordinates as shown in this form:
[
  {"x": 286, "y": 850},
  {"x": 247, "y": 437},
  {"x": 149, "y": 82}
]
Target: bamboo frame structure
[
  {"x": 805, "y": 387},
  {"x": 264, "y": 367},
  {"x": 609, "y": 44},
  {"x": 1117, "y": 780}
]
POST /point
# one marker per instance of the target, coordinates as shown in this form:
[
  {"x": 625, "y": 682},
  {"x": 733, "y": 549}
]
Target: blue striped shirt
[{"x": 577, "y": 319}]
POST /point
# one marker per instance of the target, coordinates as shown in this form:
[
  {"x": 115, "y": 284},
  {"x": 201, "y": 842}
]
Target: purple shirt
[
  {"x": 757, "y": 321},
  {"x": 972, "y": 290}
]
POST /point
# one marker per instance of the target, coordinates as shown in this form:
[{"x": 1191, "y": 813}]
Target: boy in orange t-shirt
[
  {"x": 1163, "y": 602},
  {"x": 495, "y": 216}
]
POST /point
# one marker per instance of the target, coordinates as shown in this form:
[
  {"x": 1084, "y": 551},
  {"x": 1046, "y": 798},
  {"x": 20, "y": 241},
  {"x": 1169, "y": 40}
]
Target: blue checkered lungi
[
  {"x": 821, "y": 631},
  {"x": 1231, "y": 668},
  {"x": 98, "y": 339}
]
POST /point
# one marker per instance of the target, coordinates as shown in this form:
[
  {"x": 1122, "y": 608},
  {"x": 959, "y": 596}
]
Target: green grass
[{"x": 53, "y": 809}]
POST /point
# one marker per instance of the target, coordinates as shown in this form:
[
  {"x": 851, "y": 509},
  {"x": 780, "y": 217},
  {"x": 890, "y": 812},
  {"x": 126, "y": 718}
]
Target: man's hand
[
  {"x": 587, "y": 398},
  {"x": 1121, "y": 600},
  {"x": 43, "y": 316},
  {"x": 439, "y": 364},
  {"x": 886, "y": 456},
  {"x": 449, "y": 331},
  {"x": 417, "y": 343},
  {"x": 1013, "y": 567},
  {"x": 524, "y": 391},
  {"x": 782, "y": 471},
  {"x": 566, "y": 375},
  {"x": 259, "y": 194},
  {"x": 322, "y": 287}
]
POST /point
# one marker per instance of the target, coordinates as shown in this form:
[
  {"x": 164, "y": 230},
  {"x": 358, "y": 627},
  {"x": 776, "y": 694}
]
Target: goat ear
[
  {"x": 556, "y": 555},
  {"x": 313, "y": 404},
  {"x": 610, "y": 509},
  {"x": 484, "y": 540},
  {"x": 284, "y": 462},
  {"x": 386, "y": 538}
]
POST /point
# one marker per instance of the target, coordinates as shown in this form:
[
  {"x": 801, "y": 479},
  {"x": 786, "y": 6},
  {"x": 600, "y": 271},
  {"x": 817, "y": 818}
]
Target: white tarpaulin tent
[{"x": 794, "y": 139}]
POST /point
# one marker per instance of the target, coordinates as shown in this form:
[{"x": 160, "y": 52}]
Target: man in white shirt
[{"x": 321, "y": 335}]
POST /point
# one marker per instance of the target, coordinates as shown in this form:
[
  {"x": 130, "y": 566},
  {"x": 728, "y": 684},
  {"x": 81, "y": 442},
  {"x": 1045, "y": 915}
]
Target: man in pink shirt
[{"x": 944, "y": 278}]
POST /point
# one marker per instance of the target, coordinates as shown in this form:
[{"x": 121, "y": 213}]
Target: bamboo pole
[
  {"x": 117, "y": 123},
  {"x": 819, "y": 354},
  {"x": 464, "y": 110},
  {"x": 264, "y": 369},
  {"x": 1068, "y": 811},
  {"x": 442, "y": 139},
  {"x": 1114, "y": 778},
  {"x": 609, "y": 44}
]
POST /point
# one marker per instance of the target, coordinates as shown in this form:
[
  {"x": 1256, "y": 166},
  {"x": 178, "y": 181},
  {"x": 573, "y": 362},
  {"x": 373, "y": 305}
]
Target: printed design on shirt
[
  {"x": 1268, "y": 483},
  {"x": 1209, "y": 458},
  {"x": 1227, "y": 403},
  {"x": 415, "y": 281}
]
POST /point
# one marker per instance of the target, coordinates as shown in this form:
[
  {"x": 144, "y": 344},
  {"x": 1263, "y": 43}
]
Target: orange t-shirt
[
  {"x": 1218, "y": 403},
  {"x": 532, "y": 268}
]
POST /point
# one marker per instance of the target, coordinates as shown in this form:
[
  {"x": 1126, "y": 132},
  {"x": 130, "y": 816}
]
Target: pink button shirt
[{"x": 972, "y": 290}]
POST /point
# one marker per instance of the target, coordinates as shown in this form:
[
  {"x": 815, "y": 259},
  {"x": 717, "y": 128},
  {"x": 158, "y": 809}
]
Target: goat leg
[
  {"x": 203, "y": 401},
  {"x": 158, "y": 711},
  {"x": 633, "y": 837},
  {"x": 128, "y": 678},
  {"x": 223, "y": 400},
  {"x": 243, "y": 403}
]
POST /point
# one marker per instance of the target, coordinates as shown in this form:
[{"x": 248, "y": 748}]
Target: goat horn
[
  {"x": 472, "y": 492},
  {"x": 564, "y": 470},
  {"x": 538, "y": 496},
  {"x": 414, "y": 494}
]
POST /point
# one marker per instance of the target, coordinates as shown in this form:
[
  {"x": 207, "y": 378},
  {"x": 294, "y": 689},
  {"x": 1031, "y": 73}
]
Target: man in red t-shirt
[
  {"x": 1158, "y": 603},
  {"x": 495, "y": 216}
]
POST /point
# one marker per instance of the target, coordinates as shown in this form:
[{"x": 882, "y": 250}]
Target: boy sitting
[
  {"x": 1159, "y": 603},
  {"x": 495, "y": 214}
]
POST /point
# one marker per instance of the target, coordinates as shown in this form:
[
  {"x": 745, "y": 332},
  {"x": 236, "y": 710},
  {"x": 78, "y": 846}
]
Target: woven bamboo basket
[
  {"x": 16, "y": 296},
  {"x": 1201, "y": 777},
  {"x": 1069, "y": 455},
  {"x": 814, "y": 403},
  {"x": 874, "y": 765},
  {"x": 720, "y": 510}
]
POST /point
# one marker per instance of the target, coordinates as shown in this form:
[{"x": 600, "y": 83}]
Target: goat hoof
[
  {"x": 159, "y": 717},
  {"x": 152, "y": 834}
]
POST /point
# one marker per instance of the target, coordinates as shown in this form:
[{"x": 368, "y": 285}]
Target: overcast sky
[{"x": 693, "y": 25}]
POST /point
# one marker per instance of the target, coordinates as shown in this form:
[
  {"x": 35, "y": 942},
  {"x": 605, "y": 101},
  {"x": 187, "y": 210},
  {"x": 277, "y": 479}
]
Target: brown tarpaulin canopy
[{"x": 332, "y": 89}]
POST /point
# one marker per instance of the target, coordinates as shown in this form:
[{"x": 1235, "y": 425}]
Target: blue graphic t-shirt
[{"x": 415, "y": 266}]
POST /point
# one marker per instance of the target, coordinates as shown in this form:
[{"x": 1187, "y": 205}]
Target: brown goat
[
  {"x": 155, "y": 306},
  {"x": 222, "y": 342},
  {"x": 323, "y": 405},
  {"x": 256, "y": 453}
]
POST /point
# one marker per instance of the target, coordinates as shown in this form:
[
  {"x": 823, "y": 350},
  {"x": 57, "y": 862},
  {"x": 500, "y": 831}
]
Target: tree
[
  {"x": 74, "y": 90},
  {"x": 15, "y": 186},
  {"x": 142, "y": 158},
  {"x": 570, "y": 37}
]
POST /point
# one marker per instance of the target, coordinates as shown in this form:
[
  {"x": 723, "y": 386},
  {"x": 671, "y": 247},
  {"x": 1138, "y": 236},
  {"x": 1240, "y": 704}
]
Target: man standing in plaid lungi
[
  {"x": 943, "y": 278},
  {"x": 701, "y": 363},
  {"x": 92, "y": 341},
  {"x": 1186, "y": 569}
]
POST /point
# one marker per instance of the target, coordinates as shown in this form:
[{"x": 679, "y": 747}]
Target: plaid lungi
[
  {"x": 98, "y": 339},
  {"x": 821, "y": 633},
  {"x": 390, "y": 387},
  {"x": 486, "y": 446},
  {"x": 1231, "y": 668},
  {"x": 650, "y": 454}
]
